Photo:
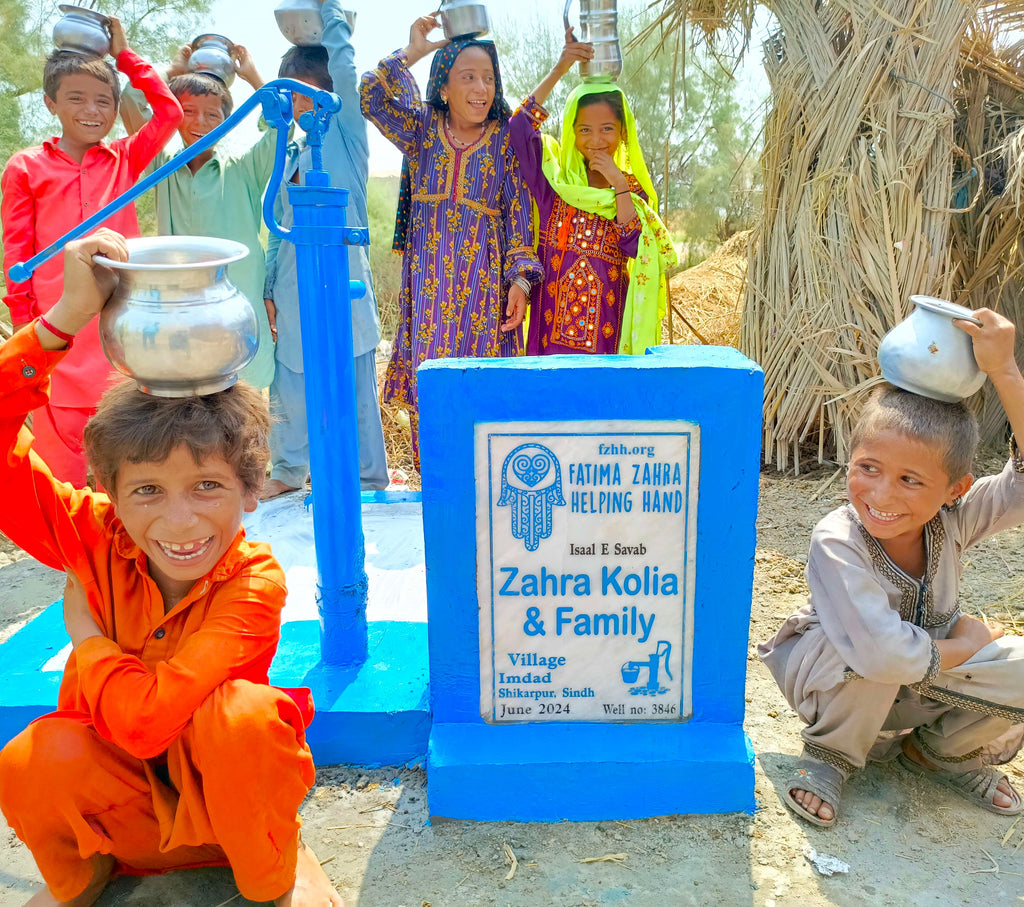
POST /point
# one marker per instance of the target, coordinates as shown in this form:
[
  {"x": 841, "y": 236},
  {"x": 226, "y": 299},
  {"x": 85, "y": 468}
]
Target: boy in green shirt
[{"x": 218, "y": 193}]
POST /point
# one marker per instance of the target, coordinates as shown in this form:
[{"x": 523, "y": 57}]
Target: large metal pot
[
  {"x": 82, "y": 30},
  {"x": 599, "y": 25},
  {"x": 176, "y": 324},
  {"x": 464, "y": 19},
  {"x": 927, "y": 354},
  {"x": 300, "y": 22},
  {"x": 211, "y": 55}
]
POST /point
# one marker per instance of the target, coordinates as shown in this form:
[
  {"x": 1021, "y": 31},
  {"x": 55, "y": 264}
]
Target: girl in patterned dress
[
  {"x": 463, "y": 221},
  {"x": 604, "y": 248}
]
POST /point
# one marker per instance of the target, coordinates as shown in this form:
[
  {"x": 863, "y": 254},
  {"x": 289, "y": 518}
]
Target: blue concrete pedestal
[
  {"x": 375, "y": 714},
  {"x": 538, "y": 657},
  {"x": 588, "y": 772}
]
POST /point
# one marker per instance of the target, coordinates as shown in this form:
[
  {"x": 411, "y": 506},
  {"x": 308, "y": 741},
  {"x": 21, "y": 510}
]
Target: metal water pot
[
  {"x": 175, "y": 323},
  {"x": 463, "y": 19},
  {"x": 211, "y": 55},
  {"x": 300, "y": 22},
  {"x": 82, "y": 30},
  {"x": 927, "y": 354},
  {"x": 599, "y": 25}
]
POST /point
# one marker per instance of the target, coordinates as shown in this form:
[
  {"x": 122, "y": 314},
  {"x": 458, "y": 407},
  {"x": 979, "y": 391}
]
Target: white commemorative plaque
[{"x": 586, "y": 543}]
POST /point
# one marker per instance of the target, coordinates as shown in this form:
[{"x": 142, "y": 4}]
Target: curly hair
[{"x": 133, "y": 427}]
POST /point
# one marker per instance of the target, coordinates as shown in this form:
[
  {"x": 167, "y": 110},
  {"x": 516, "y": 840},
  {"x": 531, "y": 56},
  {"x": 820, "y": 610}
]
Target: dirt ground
[{"x": 907, "y": 843}]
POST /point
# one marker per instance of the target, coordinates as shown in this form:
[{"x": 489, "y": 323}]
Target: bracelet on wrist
[
  {"x": 625, "y": 191},
  {"x": 523, "y": 284},
  {"x": 57, "y": 332}
]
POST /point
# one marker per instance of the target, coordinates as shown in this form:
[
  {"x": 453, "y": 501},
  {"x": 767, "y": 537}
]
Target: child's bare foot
[
  {"x": 103, "y": 866},
  {"x": 312, "y": 888},
  {"x": 813, "y": 804},
  {"x": 273, "y": 488},
  {"x": 814, "y": 791},
  {"x": 1003, "y": 797}
]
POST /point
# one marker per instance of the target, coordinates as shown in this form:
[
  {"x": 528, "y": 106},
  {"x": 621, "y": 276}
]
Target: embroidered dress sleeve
[
  {"x": 528, "y": 147},
  {"x": 18, "y": 214},
  {"x": 151, "y": 138},
  {"x": 993, "y": 503},
  {"x": 390, "y": 100},
  {"x": 855, "y": 613},
  {"x": 49, "y": 519},
  {"x": 143, "y": 710},
  {"x": 629, "y": 234},
  {"x": 520, "y": 259}
]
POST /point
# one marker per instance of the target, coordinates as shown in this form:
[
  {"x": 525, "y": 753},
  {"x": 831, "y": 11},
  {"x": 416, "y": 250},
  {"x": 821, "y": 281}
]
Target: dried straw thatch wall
[
  {"x": 892, "y": 166},
  {"x": 986, "y": 252},
  {"x": 858, "y": 170}
]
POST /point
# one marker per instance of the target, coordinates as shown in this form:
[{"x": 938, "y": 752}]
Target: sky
[{"x": 381, "y": 27}]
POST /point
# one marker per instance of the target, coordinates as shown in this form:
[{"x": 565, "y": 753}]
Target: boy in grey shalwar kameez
[{"x": 881, "y": 644}]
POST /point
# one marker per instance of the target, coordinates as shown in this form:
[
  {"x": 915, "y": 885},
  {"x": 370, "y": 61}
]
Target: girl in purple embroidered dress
[{"x": 464, "y": 211}]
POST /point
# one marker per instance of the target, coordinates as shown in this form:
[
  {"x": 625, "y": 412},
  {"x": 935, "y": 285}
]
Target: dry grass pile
[
  {"x": 397, "y": 435},
  {"x": 705, "y": 301}
]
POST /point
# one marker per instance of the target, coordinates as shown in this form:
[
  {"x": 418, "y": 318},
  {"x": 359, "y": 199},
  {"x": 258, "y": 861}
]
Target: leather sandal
[
  {"x": 820, "y": 779},
  {"x": 977, "y": 785}
]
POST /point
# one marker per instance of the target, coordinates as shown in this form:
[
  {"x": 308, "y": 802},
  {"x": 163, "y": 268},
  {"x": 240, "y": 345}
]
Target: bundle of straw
[
  {"x": 893, "y": 165},
  {"x": 706, "y": 300},
  {"x": 858, "y": 167},
  {"x": 986, "y": 255}
]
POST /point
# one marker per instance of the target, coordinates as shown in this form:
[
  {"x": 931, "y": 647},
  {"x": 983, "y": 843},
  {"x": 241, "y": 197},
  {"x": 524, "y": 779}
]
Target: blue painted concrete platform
[
  {"x": 589, "y": 772},
  {"x": 376, "y": 715},
  {"x": 578, "y": 770}
]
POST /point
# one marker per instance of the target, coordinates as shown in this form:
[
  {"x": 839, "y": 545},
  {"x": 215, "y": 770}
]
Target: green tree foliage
[
  {"x": 155, "y": 29},
  {"x": 701, "y": 149}
]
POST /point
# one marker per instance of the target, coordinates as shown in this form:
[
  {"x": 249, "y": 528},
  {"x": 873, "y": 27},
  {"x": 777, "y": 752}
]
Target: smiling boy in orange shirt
[{"x": 148, "y": 764}]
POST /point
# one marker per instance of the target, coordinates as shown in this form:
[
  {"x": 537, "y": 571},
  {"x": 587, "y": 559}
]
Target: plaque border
[{"x": 484, "y": 431}]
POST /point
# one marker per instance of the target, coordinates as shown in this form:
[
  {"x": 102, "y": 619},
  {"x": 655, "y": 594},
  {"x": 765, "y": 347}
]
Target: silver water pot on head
[
  {"x": 83, "y": 30},
  {"x": 211, "y": 56},
  {"x": 463, "y": 19},
  {"x": 927, "y": 354},
  {"x": 176, "y": 323},
  {"x": 599, "y": 25}
]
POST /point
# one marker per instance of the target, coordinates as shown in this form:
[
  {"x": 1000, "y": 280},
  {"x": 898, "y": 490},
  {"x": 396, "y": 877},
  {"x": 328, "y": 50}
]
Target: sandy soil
[{"x": 907, "y": 843}]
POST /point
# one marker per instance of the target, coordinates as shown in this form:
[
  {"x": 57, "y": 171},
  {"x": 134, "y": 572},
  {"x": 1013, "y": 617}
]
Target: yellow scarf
[{"x": 647, "y": 297}]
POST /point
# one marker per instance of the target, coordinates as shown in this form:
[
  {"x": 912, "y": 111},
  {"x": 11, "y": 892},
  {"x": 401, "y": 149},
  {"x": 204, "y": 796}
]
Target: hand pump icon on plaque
[{"x": 657, "y": 661}]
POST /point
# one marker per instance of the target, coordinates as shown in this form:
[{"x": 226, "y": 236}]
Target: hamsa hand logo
[{"x": 531, "y": 484}]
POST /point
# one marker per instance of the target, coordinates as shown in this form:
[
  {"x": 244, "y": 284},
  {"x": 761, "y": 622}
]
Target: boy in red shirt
[
  {"x": 169, "y": 748},
  {"x": 51, "y": 188}
]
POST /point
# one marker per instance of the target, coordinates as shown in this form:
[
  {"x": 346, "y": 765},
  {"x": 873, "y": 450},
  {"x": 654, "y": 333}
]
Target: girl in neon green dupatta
[{"x": 602, "y": 292}]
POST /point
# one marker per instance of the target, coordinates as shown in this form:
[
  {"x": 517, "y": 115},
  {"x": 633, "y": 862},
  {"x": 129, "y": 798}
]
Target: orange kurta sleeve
[
  {"x": 143, "y": 708},
  {"x": 54, "y": 522}
]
